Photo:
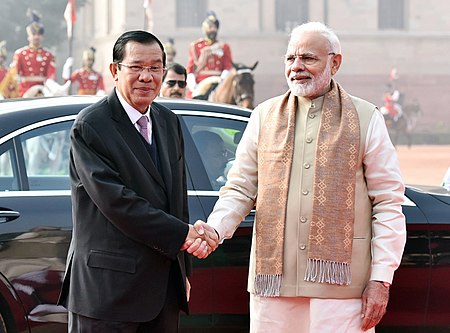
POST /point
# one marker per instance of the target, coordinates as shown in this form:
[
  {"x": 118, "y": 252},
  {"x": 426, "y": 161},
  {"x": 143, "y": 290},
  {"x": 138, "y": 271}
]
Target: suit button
[
  {"x": 303, "y": 219},
  {"x": 308, "y": 140},
  {"x": 307, "y": 165},
  {"x": 302, "y": 246}
]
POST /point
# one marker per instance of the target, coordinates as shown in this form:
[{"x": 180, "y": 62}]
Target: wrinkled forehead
[{"x": 308, "y": 42}]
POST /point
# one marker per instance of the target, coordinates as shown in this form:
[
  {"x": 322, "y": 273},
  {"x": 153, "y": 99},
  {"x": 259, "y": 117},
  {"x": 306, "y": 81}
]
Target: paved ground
[{"x": 424, "y": 165}]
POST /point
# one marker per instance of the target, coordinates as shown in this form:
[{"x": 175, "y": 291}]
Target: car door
[
  {"x": 436, "y": 207},
  {"x": 35, "y": 217},
  {"x": 409, "y": 294},
  {"x": 219, "y": 299}
]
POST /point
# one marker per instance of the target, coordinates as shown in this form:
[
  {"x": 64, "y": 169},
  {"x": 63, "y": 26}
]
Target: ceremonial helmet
[
  {"x": 3, "y": 52},
  {"x": 89, "y": 54},
  {"x": 169, "y": 47},
  {"x": 211, "y": 18},
  {"x": 35, "y": 27}
]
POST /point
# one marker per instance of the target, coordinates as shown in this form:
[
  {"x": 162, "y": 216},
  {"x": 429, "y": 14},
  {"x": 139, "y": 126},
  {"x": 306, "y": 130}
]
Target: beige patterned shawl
[{"x": 331, "y": 229}]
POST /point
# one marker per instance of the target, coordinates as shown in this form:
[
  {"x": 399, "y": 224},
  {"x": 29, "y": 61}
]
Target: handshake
[{"x": 201, "y": 240}]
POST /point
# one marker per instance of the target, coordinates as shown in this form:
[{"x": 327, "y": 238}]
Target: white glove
[
  {"x": 224, "y": 74},
  {"x": 67, "y": 68},
  {"x": 191, "y": 82}
]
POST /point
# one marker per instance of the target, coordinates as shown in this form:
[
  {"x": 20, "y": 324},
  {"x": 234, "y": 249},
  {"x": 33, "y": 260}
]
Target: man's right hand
[{"x": 201, "y": 240}]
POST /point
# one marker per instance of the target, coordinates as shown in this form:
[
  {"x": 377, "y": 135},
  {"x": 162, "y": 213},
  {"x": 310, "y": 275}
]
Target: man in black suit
[{"x": 125, "y": 271}]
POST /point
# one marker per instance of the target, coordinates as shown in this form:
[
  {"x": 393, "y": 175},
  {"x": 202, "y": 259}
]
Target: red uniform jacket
[
  {"x": 89, "y": 81},
  {"x": 34, "y": 66},
  {"x": 207, "y": 60}
]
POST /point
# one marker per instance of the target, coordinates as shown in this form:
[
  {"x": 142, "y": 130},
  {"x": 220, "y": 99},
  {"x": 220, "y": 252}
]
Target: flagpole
[
  {"x": 145, "y": 5},
  {"x": 70, "y": 17},
  {"x": 70, "y": 55}
]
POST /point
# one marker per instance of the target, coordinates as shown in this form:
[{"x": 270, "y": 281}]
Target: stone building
[{"x": 412, "y": 36}]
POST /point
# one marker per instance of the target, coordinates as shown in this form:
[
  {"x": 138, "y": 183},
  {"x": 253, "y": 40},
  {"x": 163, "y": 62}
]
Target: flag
[{"x": 70, "y": 17}]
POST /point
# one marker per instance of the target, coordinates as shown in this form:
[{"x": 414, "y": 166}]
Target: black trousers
[{"x": 167, "y": 320}]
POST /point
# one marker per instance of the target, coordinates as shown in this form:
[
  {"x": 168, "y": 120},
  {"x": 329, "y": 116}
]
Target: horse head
[{"x": 244, "y": 83}]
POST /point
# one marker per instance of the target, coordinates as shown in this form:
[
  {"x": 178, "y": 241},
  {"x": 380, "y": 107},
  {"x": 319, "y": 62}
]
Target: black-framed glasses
[
  {"x": 172, "y": 83},
  {"x": 305, "y": 59},
  {"x": 137, "y": 69}
]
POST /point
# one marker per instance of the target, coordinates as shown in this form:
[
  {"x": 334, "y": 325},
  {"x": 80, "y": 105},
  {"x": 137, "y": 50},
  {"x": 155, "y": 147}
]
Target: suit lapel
[
  {"x": 133, "y": 138},
  {"x": 160, "y": 136}
]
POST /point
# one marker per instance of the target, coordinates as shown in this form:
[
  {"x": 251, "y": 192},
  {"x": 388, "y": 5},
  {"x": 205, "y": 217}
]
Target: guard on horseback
[
  {"x": 392, "y": 107},
  {"x": 392, "y": 99},
  {"x": 208, "y": 57},
  {"x": 90, "y": 82},
  {"x": 33, "y": 63}
]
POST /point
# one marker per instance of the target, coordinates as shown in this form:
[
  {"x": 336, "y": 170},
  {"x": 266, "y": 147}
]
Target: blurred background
[{"x": 385, "y": 43}]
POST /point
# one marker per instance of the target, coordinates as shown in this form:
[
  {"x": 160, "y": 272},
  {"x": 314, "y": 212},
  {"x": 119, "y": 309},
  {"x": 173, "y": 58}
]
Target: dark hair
[
  {"x": 205, "y": 138},
  {"x": 177, "y": 68},
  {"x": 139, "y": 36}
]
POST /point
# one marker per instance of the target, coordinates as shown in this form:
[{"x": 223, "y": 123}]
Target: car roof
[{"x": 16, "y": 113}]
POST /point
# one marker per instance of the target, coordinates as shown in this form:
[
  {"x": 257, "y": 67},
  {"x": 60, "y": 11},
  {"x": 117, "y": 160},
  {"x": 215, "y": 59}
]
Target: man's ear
[
  {"x": 113, "y": 69},
  {"x": 336, "y": 63}
]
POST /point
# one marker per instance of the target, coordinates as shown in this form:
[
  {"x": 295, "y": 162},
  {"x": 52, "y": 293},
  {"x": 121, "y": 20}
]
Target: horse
[
  {"x": 49, "y": 88},
  {"x": 237, "y": 88},
  {"x": 404, "y": 124}
]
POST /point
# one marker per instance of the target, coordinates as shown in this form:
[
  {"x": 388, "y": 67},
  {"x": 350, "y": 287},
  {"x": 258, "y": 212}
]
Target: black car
[{"x": 35, "y": 226}]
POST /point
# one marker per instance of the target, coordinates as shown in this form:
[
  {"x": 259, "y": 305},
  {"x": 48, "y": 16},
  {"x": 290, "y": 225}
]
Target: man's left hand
[{"x": 374, "y": 302}]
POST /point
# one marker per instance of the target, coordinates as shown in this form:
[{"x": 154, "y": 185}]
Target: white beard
[{"x": 313, "y": 87}]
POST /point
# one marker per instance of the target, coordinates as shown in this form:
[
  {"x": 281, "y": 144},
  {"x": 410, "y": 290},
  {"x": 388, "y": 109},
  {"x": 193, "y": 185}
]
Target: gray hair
[{"x": 335, "y": 44}]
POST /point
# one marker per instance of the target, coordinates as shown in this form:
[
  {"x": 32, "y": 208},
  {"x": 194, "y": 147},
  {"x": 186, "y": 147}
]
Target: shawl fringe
[
  {"x": 268, "y": 285},
  {"x": 326, "y": 271}
]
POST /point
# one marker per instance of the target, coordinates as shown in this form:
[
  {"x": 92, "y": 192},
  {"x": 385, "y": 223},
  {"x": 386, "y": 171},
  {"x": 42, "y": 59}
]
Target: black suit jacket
[{"x": 129, "y": 219}]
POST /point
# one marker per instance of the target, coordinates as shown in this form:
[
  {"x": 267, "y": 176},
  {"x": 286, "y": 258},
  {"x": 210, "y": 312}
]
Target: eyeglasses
[
  {"x": 137, "y": 69},
  {"x": 181, "y": 84},
  {"x": 305, "y": 59}
]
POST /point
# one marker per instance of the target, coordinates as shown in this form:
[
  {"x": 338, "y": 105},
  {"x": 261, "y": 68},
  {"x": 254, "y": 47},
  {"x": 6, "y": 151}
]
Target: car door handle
[{"x": 8, "y": 215}]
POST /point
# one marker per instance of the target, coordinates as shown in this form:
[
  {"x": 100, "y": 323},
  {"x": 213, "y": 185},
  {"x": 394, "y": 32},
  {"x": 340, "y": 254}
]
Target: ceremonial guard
[
  {"x": 8, "y": 81},
  {"x": 89, "y": 81},
  {"x": 33, "y": 63},
  {"x": 208, "y": 56},
  {"x": 170, "y": 50}
]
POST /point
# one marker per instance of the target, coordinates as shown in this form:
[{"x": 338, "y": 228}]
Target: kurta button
[
  {"x": 307, "y": 165},
  {"x": 303, "y": 219},
  {"x": 305, "y": 192},
  {"x": 302, "y": 246},
  {"x": 308, "y": 140},
  {"x": 312, "y": 116}
]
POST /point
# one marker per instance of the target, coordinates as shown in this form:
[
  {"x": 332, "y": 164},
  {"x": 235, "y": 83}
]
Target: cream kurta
[{"x": 379, "y": 229}]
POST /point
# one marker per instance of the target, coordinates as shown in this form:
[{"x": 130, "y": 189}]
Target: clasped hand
[{"x": 201, "y": 240}]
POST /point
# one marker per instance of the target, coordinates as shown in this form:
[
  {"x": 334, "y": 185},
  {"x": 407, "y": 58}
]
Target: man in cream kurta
[{"x": 302, "y": 302}]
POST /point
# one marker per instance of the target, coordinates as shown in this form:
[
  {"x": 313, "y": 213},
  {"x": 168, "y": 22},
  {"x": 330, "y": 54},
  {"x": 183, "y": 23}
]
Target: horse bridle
[{"x": 238, "y": 98}]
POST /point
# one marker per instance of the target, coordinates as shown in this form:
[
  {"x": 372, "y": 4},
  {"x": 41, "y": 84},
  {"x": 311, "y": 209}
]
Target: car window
[
  {"x": 46, "y": 156},
  {"x": 215, "y": 139},
  {"x": 7, "y": 170}
]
